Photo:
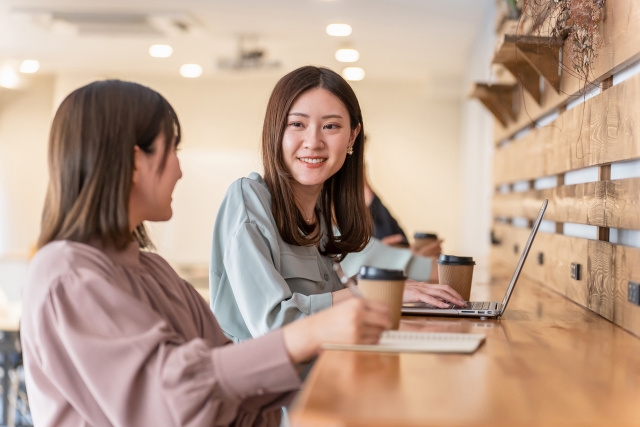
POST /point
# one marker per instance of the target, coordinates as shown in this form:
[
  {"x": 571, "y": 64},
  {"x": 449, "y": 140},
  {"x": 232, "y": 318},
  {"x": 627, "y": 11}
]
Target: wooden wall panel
[
  {"x": 620, "y": 47},
  {"x": 604, "y": 129},
  {"x": 613, "y": 204},
  {"x": 627, "y": 268},
  {"x": 606, "y": 271}
]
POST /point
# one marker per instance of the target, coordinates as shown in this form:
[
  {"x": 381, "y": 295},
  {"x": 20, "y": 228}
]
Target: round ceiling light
[
  {"x": 339, "y": 30},
  {"x": 353, "y": 74},
  {"x": 29, "y": 66},
  {"x": 160, "y": 51},
  {"x": 9, "y": 78},
  {"x": 347, "y": 55},
  {"x": 191, "y": 70}
]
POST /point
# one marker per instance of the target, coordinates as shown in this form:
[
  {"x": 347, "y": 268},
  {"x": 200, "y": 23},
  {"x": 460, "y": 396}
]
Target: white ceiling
[{"x": 397, "y": 39}]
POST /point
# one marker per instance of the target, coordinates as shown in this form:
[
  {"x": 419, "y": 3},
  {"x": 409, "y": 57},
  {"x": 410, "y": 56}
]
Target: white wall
[
  {"x": 413, "y": 154},
  {"x": 25, "y": 118},
  {"x": 476, "y": 156}
]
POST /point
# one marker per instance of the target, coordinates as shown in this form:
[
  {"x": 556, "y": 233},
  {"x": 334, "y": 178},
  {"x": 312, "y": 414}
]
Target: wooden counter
[{"x": 547, "y": 362}]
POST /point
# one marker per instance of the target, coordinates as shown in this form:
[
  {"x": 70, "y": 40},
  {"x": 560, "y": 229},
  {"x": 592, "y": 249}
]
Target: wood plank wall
[{"x": 603, "y": 130}]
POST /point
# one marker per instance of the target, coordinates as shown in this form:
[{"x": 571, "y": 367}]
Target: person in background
[
  {"x": 111, "y": 335},
  {"x": 275, "y": 238},
  {"x": 385, "y": 226},
  {"x": 388, "y": 231}
]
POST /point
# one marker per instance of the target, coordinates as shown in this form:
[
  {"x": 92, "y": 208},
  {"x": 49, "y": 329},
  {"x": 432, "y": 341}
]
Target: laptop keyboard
[{"x": 481, "y": 305}]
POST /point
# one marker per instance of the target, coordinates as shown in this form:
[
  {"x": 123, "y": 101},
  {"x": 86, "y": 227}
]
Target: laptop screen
[{"x": 525, "y": 252}]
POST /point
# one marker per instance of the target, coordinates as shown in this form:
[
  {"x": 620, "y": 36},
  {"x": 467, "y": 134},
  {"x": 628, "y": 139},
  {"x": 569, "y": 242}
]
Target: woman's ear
[
  {"x": 354, "y": 133},
  {"x": 138, "y": 158}
]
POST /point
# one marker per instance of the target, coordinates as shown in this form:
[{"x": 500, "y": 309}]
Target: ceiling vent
[
  {"x": 109, "y": 23},
  {"x": 250, "y": 56}
]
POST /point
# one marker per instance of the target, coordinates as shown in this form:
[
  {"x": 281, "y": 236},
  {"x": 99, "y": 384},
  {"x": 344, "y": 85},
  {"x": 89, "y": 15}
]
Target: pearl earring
[{"x": 350, "y": 150}]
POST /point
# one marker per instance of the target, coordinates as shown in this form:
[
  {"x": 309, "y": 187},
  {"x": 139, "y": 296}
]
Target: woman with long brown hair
[
  {"x": 111, "y": 335},
  {"x": 275, "y": 237}
]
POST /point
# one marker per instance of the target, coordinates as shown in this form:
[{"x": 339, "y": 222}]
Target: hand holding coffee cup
[
  {"x": 457, "y": 272},
  {"x": 426, "y": 244},
  {"x": 379, "y": 284}
]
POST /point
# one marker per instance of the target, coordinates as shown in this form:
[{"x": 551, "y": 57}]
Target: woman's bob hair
[
  {"x": 91, "y": 161},
  {"x": 341, "y": 203}
]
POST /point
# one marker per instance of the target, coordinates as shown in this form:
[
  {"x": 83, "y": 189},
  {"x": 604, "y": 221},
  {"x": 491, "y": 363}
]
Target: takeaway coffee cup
[
  {"x": 457, "y": 272},
  {"x": 383, "y": 285},
  {"x": 423, "y": 239}
]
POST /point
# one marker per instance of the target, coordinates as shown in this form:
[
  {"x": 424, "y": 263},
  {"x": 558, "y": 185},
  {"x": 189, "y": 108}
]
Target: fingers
[
  {"x": 394, "y": 239},
  {"x": 448, "y": 289},
  {"x": 377, "y": 319},
  {"x": 379, "y": 307},
  {"x": 442, "y": 292},
  {"x": 432, "y": 249},
  {"x": 433, "y": 301}
]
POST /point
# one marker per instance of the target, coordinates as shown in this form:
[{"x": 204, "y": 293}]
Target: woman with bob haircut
[
  {"x": 111, "y": 335},
  {"x": 275, "y": 237}
]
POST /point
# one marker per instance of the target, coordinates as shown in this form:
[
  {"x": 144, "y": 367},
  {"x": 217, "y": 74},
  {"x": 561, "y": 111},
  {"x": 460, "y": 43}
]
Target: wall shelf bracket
[{"x": 500, "y": 99}]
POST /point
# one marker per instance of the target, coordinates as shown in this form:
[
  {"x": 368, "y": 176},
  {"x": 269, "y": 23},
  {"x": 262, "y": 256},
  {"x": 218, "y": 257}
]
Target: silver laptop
[{"x": 480, "y": 308}]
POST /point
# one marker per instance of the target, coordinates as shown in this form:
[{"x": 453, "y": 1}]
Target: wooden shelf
[
  {"x": 544, "y": 54},
  {"x": 513, "y": 60},
  {"x": 499, "y": 99}
]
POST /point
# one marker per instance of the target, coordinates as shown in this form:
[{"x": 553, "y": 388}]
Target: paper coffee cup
[
  {"x": 423, "y": 239},
  {"x": 457, "y": 272},
  {"x": 383, "y": 285}
]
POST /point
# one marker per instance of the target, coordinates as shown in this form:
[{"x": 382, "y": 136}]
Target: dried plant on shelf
[{"x": 576, "y": 21}]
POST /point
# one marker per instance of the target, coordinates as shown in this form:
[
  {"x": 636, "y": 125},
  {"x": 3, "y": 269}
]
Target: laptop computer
[{"x": 480, "y": 308}]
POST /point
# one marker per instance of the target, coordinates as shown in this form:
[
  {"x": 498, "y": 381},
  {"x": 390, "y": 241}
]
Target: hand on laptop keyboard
[{"x": 440, "y": 296}]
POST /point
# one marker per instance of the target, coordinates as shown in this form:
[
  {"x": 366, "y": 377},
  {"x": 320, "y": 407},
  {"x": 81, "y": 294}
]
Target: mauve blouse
[{"x": 118, "y": 339}]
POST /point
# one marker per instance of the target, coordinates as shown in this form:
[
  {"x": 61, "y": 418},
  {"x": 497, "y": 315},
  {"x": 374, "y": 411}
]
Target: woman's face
[
  {"x": 150, "y": 198},
  {"x": 316, "y": 137}
]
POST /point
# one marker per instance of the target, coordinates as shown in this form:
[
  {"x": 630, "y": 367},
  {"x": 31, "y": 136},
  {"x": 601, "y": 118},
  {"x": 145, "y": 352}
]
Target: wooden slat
[
  {"x": 620, "y": 48},
  {"x": 606, "y": 270},
  {"x": 603, "y": 130},
  {"x": 613, "y": 204}
]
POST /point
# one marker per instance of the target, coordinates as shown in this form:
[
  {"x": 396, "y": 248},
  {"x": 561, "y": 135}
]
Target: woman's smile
[{"x": 312, "y": 162}]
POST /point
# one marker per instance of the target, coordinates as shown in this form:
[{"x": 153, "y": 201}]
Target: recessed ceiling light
[
  {"x": 160, "y": 51},
  {"x": 339, "y": 30},
  {"x": 347, "y": 55},
  {"x": 9, "y": 78},
  {"x": 353, "y": 73},
  {"x": 191, "y": 70},
  {"x": 29, "y": 66}
]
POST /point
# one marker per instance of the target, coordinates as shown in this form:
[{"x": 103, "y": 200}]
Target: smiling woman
[
  {"x": 275, "y": 239},
  {"x": 313, "y": 120}
]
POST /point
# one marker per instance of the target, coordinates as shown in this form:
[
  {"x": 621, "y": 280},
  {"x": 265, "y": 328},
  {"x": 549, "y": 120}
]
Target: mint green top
[{"x": 259, "y": 283}]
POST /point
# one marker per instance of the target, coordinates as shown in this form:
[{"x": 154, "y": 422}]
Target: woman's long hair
[
  {"x": 341, "y": 203},
  {"x": 91, "y": 160}
]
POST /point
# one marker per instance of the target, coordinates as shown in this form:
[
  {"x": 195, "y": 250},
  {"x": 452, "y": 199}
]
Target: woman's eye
[
  {"x": 331, "y": 126},
  {"x": 295, "y": 124}
]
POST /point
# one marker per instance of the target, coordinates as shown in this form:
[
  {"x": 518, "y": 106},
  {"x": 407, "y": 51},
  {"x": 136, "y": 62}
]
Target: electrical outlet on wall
[
  {"x": 634, "y": 293},
  {"x": 576, "y": 271}
]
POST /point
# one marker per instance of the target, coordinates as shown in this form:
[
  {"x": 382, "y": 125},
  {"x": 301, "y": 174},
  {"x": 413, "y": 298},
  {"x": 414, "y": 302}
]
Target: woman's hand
[
  {"x": 433, "y": 249},
  {"x": 436, "y": 295},
  {"x": 355, "y": 321},
  {"x": 394, "y": 240}
]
